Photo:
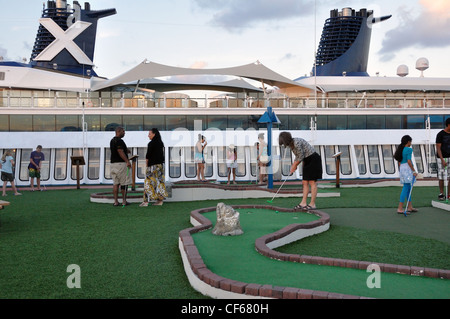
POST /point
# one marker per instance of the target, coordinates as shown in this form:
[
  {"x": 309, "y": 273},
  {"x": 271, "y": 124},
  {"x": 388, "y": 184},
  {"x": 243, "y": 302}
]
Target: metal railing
[{"x": 329, "y": 102}]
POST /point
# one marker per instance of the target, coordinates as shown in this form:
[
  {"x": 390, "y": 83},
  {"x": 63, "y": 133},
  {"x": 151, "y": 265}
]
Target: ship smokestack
[
  {"x": 66, "y": 60},
  {"x": 345, "y": 43}
]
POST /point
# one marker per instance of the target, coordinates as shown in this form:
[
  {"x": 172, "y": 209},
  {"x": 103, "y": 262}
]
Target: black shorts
[
  {"x": 7, "y": 177},
  {"x": 312, "y": 168}
]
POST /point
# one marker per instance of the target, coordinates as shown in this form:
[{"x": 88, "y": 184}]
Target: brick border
[{"x": 251, "y": 290}]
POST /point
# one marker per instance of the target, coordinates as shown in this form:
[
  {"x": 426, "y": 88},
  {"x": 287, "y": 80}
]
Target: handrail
[{"x": 366, "y": 102}]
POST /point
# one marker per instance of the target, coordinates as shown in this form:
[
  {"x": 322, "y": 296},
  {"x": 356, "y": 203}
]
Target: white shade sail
[{"x": 149, "y": 70}]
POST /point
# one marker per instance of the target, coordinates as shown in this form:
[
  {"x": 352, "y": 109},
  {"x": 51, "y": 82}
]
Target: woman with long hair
[
  {"x": 312, "y": 167},
  {"x": 155, "y": 184},
  {"x": 7, "y": 166},
  {"x": 199, "y": 157},
  {"x": 403, "y": 155}
]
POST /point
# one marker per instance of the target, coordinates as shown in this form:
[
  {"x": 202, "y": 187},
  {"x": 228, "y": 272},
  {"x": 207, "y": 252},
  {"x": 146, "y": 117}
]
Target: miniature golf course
[
  {"x": 133, "y": 252},
  {"x": 236, "y": 259}
]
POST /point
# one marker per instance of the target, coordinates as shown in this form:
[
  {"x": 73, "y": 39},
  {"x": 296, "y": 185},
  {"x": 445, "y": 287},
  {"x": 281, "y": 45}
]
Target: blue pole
[{"x": 269, "y": 149}]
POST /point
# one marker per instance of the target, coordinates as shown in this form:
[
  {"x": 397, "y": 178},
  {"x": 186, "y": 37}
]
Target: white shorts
[
  {"x": 231, "y": 164},
  {"x": 441, "y": 170}
]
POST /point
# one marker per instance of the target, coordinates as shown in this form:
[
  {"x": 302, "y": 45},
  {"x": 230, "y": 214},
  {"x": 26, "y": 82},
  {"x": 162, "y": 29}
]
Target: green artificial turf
[
  {"x": 132, "y": 252},
  {"x": 235, "y": 258},
  {"x": 378, "y": 246},
  {"x": 126, "y": 252}
]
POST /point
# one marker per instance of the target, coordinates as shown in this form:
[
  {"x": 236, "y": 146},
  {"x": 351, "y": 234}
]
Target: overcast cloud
[
  {"x": 430, "y": 29},
  {"x": 236, "y": 15}
]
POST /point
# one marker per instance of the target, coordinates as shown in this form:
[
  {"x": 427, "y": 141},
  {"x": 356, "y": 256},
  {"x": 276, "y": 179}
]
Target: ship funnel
[
  {"x": 72, "y": 52},
  {"x": 345, "y": 43}
]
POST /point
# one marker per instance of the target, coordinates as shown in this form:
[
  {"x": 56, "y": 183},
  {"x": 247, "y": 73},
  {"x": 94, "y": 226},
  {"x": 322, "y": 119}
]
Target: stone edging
[{"x": 206, "y": 280}]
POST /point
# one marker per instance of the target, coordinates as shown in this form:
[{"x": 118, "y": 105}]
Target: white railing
[{"x": 328, "y": 103}]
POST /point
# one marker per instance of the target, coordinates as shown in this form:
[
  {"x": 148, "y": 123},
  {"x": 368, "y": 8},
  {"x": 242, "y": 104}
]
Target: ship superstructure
[{"x": 58, "y": 101}]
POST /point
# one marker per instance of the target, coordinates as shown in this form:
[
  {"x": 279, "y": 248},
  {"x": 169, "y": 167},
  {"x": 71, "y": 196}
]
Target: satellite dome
[
  {"x": 422, "y": 64},
  {"x": 402, "y": 70}
]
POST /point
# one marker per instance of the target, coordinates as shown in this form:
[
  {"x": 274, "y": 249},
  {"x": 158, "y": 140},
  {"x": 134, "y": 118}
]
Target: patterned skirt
[
  {"x": 406, "y": 174},
  {"x": 154, "y": 184}
]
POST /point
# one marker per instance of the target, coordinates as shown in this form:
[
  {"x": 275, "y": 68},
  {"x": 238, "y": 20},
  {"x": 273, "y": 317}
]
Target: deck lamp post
[{"x": 269, "y": 118}]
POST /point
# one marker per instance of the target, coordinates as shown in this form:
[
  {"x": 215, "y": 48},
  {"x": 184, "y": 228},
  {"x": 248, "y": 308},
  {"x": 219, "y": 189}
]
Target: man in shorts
[
  {"x": 34, "y": 168},
  {"x": 120, "y": 166},
  {"x": 443, "y": 154}
]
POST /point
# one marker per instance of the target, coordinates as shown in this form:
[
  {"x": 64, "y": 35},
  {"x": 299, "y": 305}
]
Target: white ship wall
[{"x": 179, "y": 145}]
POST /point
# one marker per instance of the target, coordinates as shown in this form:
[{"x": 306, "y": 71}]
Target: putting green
[{"x": 236, "y": 258}]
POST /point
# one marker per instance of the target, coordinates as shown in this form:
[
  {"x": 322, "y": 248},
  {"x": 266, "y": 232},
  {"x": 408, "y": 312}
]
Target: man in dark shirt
[
  {"x": 443, "y": 154},
  {"x": 120, "y": 166},
  {"x": 34, "y": 168}
]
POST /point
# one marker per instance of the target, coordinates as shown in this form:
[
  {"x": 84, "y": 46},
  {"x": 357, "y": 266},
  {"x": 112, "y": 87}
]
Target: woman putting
[{"x": 312, "y": 167}]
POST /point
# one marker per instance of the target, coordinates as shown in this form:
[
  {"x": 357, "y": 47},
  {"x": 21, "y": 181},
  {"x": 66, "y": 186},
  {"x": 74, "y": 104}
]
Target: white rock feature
[{"x": 228, "y": 223}]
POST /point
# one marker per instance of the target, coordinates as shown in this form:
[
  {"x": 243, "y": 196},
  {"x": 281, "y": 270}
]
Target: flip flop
[{"x": 300, "y": 207}]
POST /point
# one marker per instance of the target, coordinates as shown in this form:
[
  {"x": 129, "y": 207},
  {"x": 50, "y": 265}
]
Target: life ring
[{"x": 89, "y": 104}]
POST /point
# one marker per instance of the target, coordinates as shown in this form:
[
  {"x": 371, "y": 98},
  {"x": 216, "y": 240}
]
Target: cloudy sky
[{"x": 281, "y": 34}]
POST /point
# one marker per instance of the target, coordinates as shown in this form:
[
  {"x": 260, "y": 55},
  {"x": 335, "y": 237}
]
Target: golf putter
[
  {"x": 446, "y": 183},
  {"x": 409, "y": 197},
  {"x": 271, "y": 201},
  {"x": 126, "y": 189}
]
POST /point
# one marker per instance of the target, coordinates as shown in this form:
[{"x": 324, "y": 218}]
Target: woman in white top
[
  {"x": 7, "y": 165},
  {"x": 263, "y": 158}
]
